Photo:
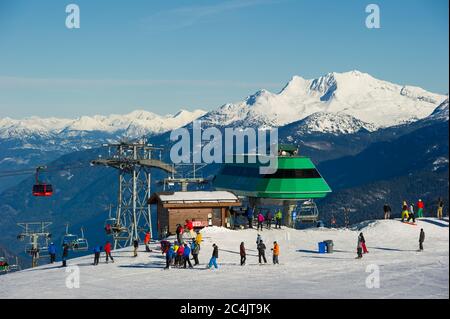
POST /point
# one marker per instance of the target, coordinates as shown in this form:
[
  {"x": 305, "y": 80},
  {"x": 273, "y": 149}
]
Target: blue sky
[{"x": 165, "y": 55}]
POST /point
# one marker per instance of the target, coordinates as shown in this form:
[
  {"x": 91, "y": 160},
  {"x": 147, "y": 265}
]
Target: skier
[
  {"x": 97, "y": 249},
  {"x": 186, "y": 256},
  {"x": 440, "y": 208},
  {"x": 260, "y": 221},
  {"x": 258, "y": 239},
  {"x": 420, "y": 207},
  {"x": 214, "y": 257},
  {"x": 278, "y": 218},
  {"x": 195, "y": 249},
  {"x": 135, "y": 247},
  {"x": 250, "y": 217},
  {"x": 52, "y": 252},
  {"x": 179, "y": 232},
  {"x": 405, "y": 213},
  {"x": 269, "y": 220},
  {"x": 363, "y": 243},
  {"x": 65, "y": 254},
  {"x": 276, "y": 252},
  {"x": 262, "y": 251},
  {"x": 242, "y": 253},
  {"x": 180, "y": 256},
  {"x": 199, "y": 238},
  {"x": 190, "y": 226},
  {"x": 108, "y": 252},
  {"x": 359, "y": 249},
  {"x": 147, "y": 239},
  {"x": 387, "y": 211},
  {"x": 169, "y": 256},
  {"x": 421, "y": 239}
]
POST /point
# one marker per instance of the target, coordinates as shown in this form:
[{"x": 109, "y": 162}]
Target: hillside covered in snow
[{"x": 404, "y": 272}]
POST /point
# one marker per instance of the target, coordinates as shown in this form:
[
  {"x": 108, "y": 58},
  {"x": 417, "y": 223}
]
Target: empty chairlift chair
[{"x": 307, "y": 212}]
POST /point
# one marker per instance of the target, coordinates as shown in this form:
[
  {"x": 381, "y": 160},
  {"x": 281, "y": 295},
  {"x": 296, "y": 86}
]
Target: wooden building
[{"x": 204, "y": 208}]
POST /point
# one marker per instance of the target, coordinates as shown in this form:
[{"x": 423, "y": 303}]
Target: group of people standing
[
  {"x": 411, "y": 211},
  {"x": 261, "y": 219}
]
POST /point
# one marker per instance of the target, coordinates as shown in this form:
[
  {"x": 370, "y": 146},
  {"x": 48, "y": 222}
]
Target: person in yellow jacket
[
  {"x": 405, "y": 214},
  {"x": 278, "y": 218},
  {"x": 276, "y": 252},
  {"x": 199, "y": 238}
]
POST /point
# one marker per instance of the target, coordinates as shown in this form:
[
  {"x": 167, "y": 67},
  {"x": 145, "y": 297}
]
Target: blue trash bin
[{"x": 322, "y": 247}]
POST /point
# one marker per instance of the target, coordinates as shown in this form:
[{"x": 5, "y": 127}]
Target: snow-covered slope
[
  {"x": 354, "y": 93},
  {"x": 302, "y": 273},
  {"x": 134, "y": 124}
]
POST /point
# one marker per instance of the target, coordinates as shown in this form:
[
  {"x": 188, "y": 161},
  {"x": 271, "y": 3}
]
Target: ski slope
[{"x": 302, "y": 273}]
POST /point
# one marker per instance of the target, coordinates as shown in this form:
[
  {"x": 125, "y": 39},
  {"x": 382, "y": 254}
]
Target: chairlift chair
[
  {"x": 307, "y": 212},
  {"x": 81, "y": 243}
]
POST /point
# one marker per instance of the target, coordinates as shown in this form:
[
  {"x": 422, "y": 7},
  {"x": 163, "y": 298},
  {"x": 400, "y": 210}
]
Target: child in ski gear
[
  {"x": 421, "y": 239},
  {"x": 164, "y": 246},
  {"x": 269, "y": 220},
  {"x": 387, "y": 211},
  {"x": 262, "y": 252},
  {"x": 250, "y": 217},
  {"x": 65, "y": 254},
  {"x": 169, "y": 256},
  {"x": 97, "y": 249},
  {"x": 420, "y": 207},
  {"x": 108, "y": 249},
  {"x": 187, "y": 255},
  {"x": 195, "y": 249},
  {"x": 147, "y": 239},
  {"x": 135, "y": 247},
  {"x": 175, "y": 250},
  {"x": 359, "y": 249},
  {"x": 276, "y": 252},
  {"x": 214, "y": 257},
  {"x": 260, "y": 221},
  {"x": 258, "y": 239},
  {"x": 179, "y": 232},
  {"x": 242, "y": 253},
  {"x": 363, "y": 243},
  {"x": 180, "y": 254},
  {"x": 52, "y": 252},
  {"x": 278, "y": 218},
  {"x": 440, "y": 208}
]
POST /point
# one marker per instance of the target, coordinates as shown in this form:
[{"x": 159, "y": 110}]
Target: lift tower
[
  {"x": 134, "y": 162},
  {"x": 38, "y": 234}
]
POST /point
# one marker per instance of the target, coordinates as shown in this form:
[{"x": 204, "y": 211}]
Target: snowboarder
[
  {"x": 97, "y": 249},
  {"x": 147, "y": 239},
  {"x": 421, "y": 239},
  {"x": 440, "y": 208},
  {"x": 269, "y": 220},
  {"x": 214, "y": 257},
  {"x": 250, "y": 217},
  {"x": 387, "y": 211},
  {"x": 420, "y": 206},
  {"x": 260, "y": 221},
  {"x": 186, "y": 256},
  {"x": 405, "y": 213},
  {"x": 179, "y": 232},
  {"x": 411, "y": 215},
  {"x": 65, "y": 254},
  {"x": 359, "y": 249},
  {"x": 276, "y": 252},
  {"x": 363, "y": 243},
  {"x": 135, "y": 247},
  {"x": 262, "y": 252},
  {"x": 190, "y": 227},
  {"x": 108, "y": 252},
  {"x": 278, "y": 218},
  {"x": 169, "y": 256},
  {"x": 242, "y": 253},
  {"x": 52, "y": 252},
  {"x": 195, "y": 249}
]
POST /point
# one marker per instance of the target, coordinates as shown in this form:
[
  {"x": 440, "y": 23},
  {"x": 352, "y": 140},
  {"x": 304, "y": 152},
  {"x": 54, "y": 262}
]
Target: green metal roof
[{"x": 296, "y": 178}]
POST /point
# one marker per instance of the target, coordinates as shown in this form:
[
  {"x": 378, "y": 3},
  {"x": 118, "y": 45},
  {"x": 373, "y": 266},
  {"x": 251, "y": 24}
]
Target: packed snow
[{"x": 404, "y": 272}]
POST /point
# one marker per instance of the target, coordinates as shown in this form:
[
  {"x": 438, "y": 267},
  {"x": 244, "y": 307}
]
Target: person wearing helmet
[{"x": 420, "y": 206}]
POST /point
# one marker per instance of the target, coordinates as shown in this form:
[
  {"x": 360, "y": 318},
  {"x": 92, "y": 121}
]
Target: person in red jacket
[
  {"x": 108, "y": 251},
  {"x": 190, "y": 227},
  {"x": 420, "y": 207},
  {"x": 147, "y": 239},
  {"x": 180, "y": 253}
]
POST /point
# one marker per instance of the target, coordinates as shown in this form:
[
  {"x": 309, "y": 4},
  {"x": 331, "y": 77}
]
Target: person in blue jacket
[
  {"x": 250, "y": 213},
  {"x": 97, "y": 250},
  {"x": 170, "y": 254},
  {"x": 52, "y": 252},
  {"x": 186, "y": 256}
]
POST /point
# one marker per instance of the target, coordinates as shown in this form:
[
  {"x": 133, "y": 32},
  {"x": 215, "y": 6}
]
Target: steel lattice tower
[{"x": 134, "y": 163}]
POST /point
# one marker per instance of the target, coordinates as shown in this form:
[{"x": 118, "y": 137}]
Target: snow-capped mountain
[
  {"x": 376, "y": 102},
  {"x": 134, "y": 124}
]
